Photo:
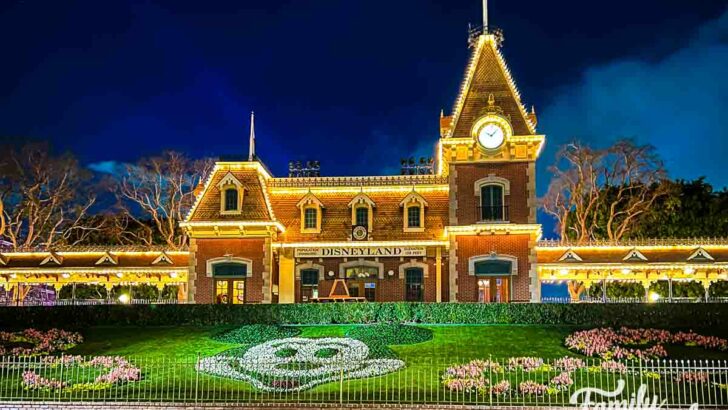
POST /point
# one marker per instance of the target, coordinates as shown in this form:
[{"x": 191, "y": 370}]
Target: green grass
[{"x": 167, "y": 356}]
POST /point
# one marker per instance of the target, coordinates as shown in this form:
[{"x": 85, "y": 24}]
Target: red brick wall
[
  {"x": 253, "y": 249},
  {"x": 389, "y": 289},
  {"x": 467, "y": 201},
  {"x": 513, "y": 245}
]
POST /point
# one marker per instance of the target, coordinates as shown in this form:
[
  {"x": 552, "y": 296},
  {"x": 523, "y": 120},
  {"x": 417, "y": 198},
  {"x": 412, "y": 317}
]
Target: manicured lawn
[{"x": 168, "y": 355}]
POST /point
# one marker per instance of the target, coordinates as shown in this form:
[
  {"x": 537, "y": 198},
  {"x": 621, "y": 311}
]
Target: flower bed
[
  {"x": 115, "y": 370},
  {"x": 302, "y": 366},
  {"x": 641, "y": 344},
  {"x": 37, "y": 342}
]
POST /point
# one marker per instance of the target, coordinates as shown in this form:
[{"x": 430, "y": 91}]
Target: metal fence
[
  {"x": 230, "y": 379},
  {"x": 88, "y": 302},
  {"x": 635, "y": 300}
]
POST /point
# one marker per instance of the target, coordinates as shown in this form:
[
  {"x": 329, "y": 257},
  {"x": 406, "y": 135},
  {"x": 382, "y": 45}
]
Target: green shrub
[
  {"x": 256, "y": 334},
  {"x": 662, "y": 315}
]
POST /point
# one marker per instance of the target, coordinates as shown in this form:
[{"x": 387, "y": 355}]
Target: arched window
[
  {"x": 491, "y": 203},
  {"x": 311, "y": 209},
  {"x": 414, "y": 212},
  {"x": 361, "y": 211},
  {"x": 413, "y": 216},
  {"x": 229, "y": 275},
  {"x": 231, "y": 199}
]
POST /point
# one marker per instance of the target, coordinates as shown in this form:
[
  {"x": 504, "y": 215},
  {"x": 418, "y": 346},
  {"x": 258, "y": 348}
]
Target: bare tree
[
  {"x": 159, "y": 190},
  {"x": 46, "y": 198},
  {"x": 602, "y": 193}
]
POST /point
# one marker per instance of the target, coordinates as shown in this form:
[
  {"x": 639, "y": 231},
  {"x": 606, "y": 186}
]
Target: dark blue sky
[{"x": 356, "y": 84}]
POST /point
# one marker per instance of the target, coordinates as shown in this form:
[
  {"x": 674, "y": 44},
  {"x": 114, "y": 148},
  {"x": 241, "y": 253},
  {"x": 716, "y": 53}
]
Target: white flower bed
[{"x": 265, "y": 367}]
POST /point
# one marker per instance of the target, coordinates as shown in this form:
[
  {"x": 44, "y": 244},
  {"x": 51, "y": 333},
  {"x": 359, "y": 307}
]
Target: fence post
[
  {"x": 341, "y": 386},
  {"x": 197, "y": 377}
]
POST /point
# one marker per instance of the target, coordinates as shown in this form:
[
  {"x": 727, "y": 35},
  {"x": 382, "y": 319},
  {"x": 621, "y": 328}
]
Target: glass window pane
[
  {"x": 413, "y": 284},
  {"x": 494, "y": 267},
  {"x": 238, "y": 292},
  {"x": 362, "y": 216},
  {"x": 310, "y": 218},
  {"x": 413, "y": 217},
  {"x": 309, "y": 277},
  {"x": 229, "y": 269},
  {"x": 231, "y": 199},
  {"x": 221, "y": 291}
]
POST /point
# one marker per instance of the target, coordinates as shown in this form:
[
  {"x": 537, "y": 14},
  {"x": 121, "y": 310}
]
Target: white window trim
[
  {"x": 491, "y": 179},
  {"x": 361, "y": 262},
  {"x": 228, "y": 259},
  {"x": 310, "y": 201},
  {"x": 310, "y": 265},
  {"x": 411, "y": 200},
  {"x": 230, "y": 182},
  {"x": 413, "y": 263},
  {"x": 363, "y": 201},
  {"x": 493, "y": 256}
]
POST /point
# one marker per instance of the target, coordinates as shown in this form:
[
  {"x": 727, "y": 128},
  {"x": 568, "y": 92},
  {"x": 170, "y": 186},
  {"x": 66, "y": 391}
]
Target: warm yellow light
[
  {"x": 358, "y": 189},
  {"x": 563, "y": 272},
  {"x": 689, "y": 270},
  {"x": 66, "y": 275},
  {"x": 119, "y": 275},
  {"x": 349, "y": 244},
  {"x": 173, "y": 275},
  {"x": 124, "y": 298},
  {"x": 626, "y": 271},
  {"x": 654, "y": 296}
]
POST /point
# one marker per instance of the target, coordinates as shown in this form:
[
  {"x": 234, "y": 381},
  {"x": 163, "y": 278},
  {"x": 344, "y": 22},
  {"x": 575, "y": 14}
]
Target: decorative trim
[
  {"x": 389, "y": 180},
  {"x": 491, "y": 179},
  {"x": 310, "y": 265},
  {"x": 229, "y": 183},
  {"x": 163, "y": 258},
  {"x": 310, "y": 201},
  {"x": 210, "y": 264},
  {"x": 363, "y": 201},
  {"x": 570, "y": 256},
  {"x": 108, "y": 259},
  {"x": 491, "y": 257},
  {"x": 229, "y": 179},
  {"x": 633, "y": 255},
  {"x": 701, "y": 254},
  {"x": 52, "y": 258},
  {"x": 3, "y": 260},
  {"x": 361, "y": 262},
  {"x": 413, "y": 263}
]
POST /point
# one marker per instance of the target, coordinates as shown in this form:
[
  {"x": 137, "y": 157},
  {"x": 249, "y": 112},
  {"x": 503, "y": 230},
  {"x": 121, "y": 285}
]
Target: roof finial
[
  {"x": 485, "y": 16},
  {"x": 251, "y": 144}
]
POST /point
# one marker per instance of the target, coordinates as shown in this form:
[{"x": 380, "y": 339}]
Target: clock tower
[{"x": 488, "y": 148}]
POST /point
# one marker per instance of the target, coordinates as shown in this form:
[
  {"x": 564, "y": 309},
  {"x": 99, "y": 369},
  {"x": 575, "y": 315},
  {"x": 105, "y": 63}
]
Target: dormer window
[
  {"x": 413, "y": 206},
  {"x": 311, "y": 209},
  {"x": 231, "y": 195},
  {"x": 361, "y": 211}
]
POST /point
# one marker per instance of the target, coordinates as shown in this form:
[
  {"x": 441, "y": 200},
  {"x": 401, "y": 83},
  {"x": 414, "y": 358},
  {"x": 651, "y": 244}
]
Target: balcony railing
[{"x": 492, "y": 214}]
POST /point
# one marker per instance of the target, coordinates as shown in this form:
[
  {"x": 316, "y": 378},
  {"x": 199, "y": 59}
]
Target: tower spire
[
  {"x": 485, "y": 16},
  {"x": 251, "y": 143}
]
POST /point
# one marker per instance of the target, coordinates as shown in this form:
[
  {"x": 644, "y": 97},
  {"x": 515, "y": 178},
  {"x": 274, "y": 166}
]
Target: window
[
  {"x": 309, "y": 284},
  {"x": 229, "y": 269},
  {"x": 491, "y": 203},
  {"x": 310, "y": 218},
  {"x": 362, "y": 216},
  {"x": 231, "y": 199},
  {"x": 362, "y": 272},
  {"x": 413, "y": 216},
  {"x": 493, "y": 267},
  {"x": 413, "y": 285},
  {"x": 493, "y": 290}
]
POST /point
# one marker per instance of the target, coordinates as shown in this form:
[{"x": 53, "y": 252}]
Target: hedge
[{"x": 681, "y": 315}]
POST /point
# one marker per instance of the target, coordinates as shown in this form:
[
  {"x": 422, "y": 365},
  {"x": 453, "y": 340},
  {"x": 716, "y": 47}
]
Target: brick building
[{"x": 466, "y": 231}]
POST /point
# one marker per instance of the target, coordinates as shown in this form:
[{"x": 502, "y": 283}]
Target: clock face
[
  {"x": 359, "y": 233},
  {"x": 491, "y": 136}
]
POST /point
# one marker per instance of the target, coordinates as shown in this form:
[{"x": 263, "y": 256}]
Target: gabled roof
[
  {"x": 634, "y": 255},
  {"x": 229, "y": 179},
  {"x": 255, "y": 202},
  {"x": 163, "y": 258},
  {"x": 487, "y": 74},
  {"x": 3, "y": 259},
  {"x": 362, "y": 198},
  {"x": 108, "y": 258},
  {"x": 570, "y": 256},
  {"x": 52, "y": 258},
  {"x": 700, "y": 255},
  {"x": 414, "y": 196},
  {"x": 309, "y": 199}
]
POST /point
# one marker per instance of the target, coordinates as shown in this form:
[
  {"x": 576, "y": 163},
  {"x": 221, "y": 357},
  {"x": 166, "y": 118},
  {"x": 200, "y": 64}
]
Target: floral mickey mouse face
[{"x": 295, "y": 364}]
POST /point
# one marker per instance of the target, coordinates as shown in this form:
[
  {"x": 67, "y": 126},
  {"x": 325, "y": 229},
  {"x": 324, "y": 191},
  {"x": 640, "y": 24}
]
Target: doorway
[{"x": 230, "y": 291}]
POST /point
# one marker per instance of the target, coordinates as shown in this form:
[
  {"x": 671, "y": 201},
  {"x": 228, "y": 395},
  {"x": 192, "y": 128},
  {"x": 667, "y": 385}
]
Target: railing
[
  {"x": 87, "y": 302},
  {"x": 636, "y": 300},
  {"x": 421, "y": 381},
  {"x": 493, "y": 213}
]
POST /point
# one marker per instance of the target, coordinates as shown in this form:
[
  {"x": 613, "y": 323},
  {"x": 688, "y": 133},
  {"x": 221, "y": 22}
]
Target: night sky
[{"x": 356, "y": 84}]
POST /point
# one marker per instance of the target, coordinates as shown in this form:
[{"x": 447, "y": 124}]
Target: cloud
[
  {"x": 108, "y": 167},
  {"x": 678, "y": 103}
]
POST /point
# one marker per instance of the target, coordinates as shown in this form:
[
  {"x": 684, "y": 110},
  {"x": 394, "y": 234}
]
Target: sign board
[{"x": 363, "y": 252}]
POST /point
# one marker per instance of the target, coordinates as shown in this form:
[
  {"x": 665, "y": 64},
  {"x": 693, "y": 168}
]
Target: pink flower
[
  {"x": 563, "y": 381},
  {"x": 532, "y": 388},
  {"x": 692, "y": 377}
]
